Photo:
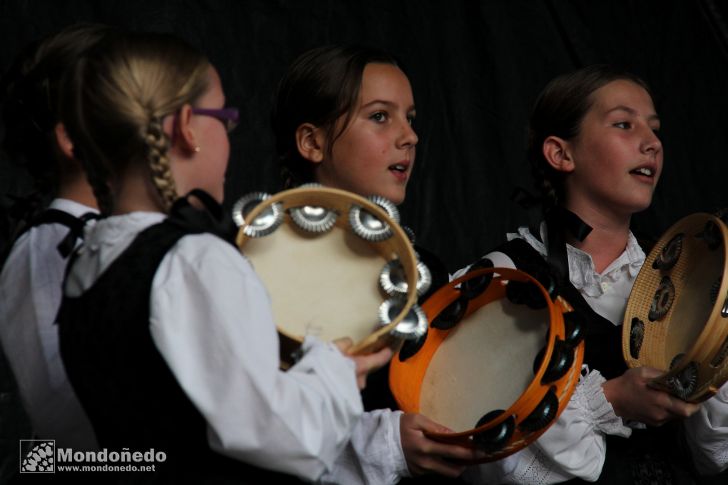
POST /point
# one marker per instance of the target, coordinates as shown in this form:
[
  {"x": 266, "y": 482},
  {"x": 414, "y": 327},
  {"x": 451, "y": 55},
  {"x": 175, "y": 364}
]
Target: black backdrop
[{"x": 475, "y": 66}]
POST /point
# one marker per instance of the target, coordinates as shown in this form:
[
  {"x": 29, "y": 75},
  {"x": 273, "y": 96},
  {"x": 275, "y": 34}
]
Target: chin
[{"x": 396, "y": 199}]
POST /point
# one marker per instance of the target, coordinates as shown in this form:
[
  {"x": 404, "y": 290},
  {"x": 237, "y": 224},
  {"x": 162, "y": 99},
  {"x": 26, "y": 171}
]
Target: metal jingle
[
  {"x": 367, "y": 226},
  {"x": 685, "y": 382},
  {"x": 410, "y": 233},
  {"x": 711, "y": 235},
  {"x": 412, "y": 326},
  {"x": 245, "y": 204},
  {"x": 477, "y": 285},
  {"x": 495, "y": 438},
  {"x": 636, "y": 336},
  {"x": 266, "y": 222},
  {"x": 452, "y": 314},
  {"x": 411, "y": 347},
  {"x": 663, "y": 299},
  {"x": 387, "y": 205},
  {"x": 573, "y": 328},
  {"x": 313, "y": 219},
  {"x": 525, "y": 292},
  {"x": 393, "y": 279},
  {"x": 561, "y": 359},
  {"x": 676, "y": 360},
  {"x": 670, "y": 253},
  {"x": 544, "y": 413}
]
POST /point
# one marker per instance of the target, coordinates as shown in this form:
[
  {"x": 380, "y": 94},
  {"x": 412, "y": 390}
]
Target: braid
[
  {"x": 97, "y": 176},
  {"x": 157, "y": 145},
  {"x": 549, "y": 191}
]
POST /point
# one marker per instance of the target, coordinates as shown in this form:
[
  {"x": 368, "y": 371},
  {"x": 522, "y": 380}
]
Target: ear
[
  {"x": 63, "y": 141},
  {"x": 310, "y": 142},
  {"x": 557, "y": 153},
  {"x": 182, "y": 134}
]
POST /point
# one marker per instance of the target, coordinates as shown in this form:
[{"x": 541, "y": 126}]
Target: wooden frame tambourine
[
  {"x": 677, "y": 314},
  {"x": 335, "y": 264},
  {"x": 498, "y": 363}
]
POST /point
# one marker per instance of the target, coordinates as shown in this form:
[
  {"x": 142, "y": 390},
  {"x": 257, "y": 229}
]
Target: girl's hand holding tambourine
[{"x": 633, "y": 399}]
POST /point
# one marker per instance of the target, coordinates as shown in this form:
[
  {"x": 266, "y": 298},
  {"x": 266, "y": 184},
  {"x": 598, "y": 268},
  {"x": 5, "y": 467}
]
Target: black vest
[{"x": 130, "y": 395}]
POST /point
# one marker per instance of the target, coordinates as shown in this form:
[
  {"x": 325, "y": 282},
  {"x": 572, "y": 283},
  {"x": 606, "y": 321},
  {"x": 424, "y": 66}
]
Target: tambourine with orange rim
[
  {"x": 335, "y": 265},
  {"x": 677, "y": 314},
  {"x": 498, "y": 364}
]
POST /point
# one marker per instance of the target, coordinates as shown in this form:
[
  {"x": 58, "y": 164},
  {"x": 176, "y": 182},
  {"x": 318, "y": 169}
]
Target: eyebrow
[
  {"x": 632, "y": 112},
  {"x": 386, "y": 103}
]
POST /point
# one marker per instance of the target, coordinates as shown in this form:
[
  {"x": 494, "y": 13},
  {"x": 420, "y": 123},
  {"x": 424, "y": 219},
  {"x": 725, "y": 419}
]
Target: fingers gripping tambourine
[
  {"x": 497, "y": 365},
  {"x": 335, "y": 264},
  {"x": 677, "y": 315}
]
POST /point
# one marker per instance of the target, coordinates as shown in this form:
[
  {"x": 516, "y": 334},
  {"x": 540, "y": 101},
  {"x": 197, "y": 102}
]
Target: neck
[
  {"x": 136, "y": 192},
  {"x": 608, "y": 238},
  {"x": 78, "y": 190}
]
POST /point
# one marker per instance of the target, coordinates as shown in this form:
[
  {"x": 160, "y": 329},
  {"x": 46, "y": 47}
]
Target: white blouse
[
  {"x": 575, "y": 445},
  {"x": 30, "y": 294},
  {"x": 210, "y": 318}
]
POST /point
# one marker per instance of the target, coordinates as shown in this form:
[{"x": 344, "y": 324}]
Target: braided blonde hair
[{"x": 117, "y": 98}]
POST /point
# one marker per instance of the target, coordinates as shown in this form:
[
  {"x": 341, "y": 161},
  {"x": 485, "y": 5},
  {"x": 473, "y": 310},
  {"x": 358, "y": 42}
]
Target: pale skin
[
  {"x": 374, "y": 156},
  {"x": 375, "y": 152},
  {"x": 614, "y": 164}
]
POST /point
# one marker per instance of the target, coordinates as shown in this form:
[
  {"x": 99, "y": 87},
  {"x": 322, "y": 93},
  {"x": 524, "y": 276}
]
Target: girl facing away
[
  {"x": 165, "y": 329},
  {"x": 596, "y": 159},
  {"x": 30, "y": 281},
  {"x": 343, "y": 118}
]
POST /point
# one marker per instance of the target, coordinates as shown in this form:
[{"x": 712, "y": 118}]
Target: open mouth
[
  {"x": 398, "y": 167},
  {"x": 645, "y": 171}
]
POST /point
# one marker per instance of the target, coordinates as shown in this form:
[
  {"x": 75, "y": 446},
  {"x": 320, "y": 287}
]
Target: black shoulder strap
[{"x": 74, "y": 224}]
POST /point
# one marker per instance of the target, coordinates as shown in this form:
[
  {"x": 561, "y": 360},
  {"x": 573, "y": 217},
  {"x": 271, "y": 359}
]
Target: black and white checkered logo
[{"x": 40, "y": 457}]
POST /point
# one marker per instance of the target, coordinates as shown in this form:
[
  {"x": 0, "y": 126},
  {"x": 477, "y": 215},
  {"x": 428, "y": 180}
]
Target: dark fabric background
[{"x": 476, "y": 68}]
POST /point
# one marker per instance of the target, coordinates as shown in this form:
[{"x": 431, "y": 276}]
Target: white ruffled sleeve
[{"x": 573, "y": 447}]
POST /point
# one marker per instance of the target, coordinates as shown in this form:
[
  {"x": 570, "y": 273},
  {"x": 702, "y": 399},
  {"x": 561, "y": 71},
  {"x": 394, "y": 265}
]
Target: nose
[
  {"x": 407, "y": 137},
  {"x": 651, "y": 142}
]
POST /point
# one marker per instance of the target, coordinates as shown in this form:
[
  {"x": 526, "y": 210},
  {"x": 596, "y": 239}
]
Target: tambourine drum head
[
  {"x": 485, "y": 363},
  {"x": 694, "y": 307},
  {"x": 329, "y": 281}
]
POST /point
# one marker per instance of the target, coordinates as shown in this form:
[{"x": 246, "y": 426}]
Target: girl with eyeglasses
[{"x": 166, "y": 331}]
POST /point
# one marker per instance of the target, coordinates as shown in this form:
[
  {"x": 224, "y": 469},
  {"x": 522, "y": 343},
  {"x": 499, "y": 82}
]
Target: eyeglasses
[{"x": 228, "y": 116}]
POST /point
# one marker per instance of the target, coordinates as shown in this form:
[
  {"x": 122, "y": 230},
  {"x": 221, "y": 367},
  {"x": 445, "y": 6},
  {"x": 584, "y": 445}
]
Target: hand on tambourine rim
[
  {"x": 425, "y": 455},
  {"x": 365, "y": 364},
  {"x": 632, "y": 398}
]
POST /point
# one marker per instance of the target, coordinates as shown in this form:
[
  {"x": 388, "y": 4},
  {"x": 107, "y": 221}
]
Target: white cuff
[{"x": 590, "y": 395}]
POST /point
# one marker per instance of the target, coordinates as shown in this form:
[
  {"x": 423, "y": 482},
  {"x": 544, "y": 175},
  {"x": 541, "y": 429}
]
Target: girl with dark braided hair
[
  {"x": 166, "y": 331},
  {"x": 596, "y": 159}
]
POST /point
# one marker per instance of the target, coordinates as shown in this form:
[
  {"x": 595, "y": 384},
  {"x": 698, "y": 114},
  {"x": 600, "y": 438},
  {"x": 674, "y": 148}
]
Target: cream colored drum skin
[
  {"x": 326, "y": 284},
  {"x": 501, "y": 375}
]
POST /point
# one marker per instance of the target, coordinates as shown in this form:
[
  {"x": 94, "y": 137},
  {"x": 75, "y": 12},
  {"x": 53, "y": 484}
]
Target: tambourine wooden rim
[
  {"x": 396, "y": 246},
  {"x": 406, "y": 376},
  {"x": 650, "y": 331}
]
